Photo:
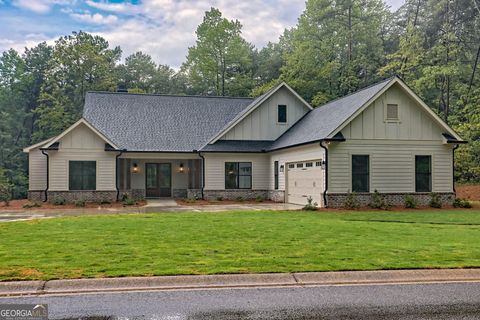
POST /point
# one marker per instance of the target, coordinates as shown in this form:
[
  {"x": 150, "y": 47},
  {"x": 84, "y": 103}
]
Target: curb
[{"x": 302, "y": 279}]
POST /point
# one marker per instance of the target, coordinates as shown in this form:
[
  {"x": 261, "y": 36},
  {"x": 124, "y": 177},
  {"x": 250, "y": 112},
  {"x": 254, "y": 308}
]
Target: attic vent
[{"x": 392, "y": 111}]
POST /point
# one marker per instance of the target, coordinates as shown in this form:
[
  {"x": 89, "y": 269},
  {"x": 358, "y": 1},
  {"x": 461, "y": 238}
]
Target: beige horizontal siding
[
  {"x": 215, "y": 169},
  {"x": 392, "y": 164},
  {"x": 37, "y": 170}
]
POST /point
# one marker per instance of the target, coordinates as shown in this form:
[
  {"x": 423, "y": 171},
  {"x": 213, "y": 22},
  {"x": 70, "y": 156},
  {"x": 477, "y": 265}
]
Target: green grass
[{"x": 237, "y": 242}]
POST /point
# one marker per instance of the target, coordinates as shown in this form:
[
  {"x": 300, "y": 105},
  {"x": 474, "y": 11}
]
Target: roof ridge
[
  {"x": 167, "y": 95},
  {"x": 359, "y": 90}
]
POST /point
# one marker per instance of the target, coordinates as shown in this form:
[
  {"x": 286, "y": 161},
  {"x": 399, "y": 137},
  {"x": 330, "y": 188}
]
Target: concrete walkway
[
  {"x": 151, "y": 207},
  {"x": 19, "y": 288}
]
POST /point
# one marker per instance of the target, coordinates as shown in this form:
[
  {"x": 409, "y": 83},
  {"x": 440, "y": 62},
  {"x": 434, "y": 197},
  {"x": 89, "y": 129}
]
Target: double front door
[{"x": 158, "y": 180}]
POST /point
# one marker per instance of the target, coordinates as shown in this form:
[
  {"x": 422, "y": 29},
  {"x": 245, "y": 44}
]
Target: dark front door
[{"x": 158, "y": 180}]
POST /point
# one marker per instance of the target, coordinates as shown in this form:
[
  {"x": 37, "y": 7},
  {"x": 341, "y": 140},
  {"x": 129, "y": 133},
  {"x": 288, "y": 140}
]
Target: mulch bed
[
  {"x": 470, "y": 192},
  {"x": 186, "y": 202},
  {"x": 18, "y": 205}
]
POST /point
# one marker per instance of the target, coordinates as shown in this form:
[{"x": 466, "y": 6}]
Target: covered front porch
[{"x": 150, "y": 175}]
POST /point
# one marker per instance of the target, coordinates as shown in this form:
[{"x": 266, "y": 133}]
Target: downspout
[
  {"x": 48, "y": 176},
  {"x": 116, "y": 173},
  {"x": 453, "y": 168},
  {"x": 203, "y": 173},
  {"x": 326, "y": 173}
]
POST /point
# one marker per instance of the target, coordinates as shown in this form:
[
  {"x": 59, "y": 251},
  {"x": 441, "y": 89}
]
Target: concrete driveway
[{"x": 163, "y": 205}]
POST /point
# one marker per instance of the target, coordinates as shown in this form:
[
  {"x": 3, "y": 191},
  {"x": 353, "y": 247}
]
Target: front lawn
[{"x": 237, "y": 242}]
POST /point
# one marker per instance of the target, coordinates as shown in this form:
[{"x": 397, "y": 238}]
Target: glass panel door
[
  {"x": 151, "y": 180},
  {"x": 165, "y": 181}
]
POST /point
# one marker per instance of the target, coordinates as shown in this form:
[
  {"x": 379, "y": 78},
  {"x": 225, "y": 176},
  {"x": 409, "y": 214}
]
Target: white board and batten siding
[
  {"x": 215, "y": 169},
  {"x": 392, "y": 146},
  {"x": 81, "y": 144},
  {"x": 262, "y": 124}
]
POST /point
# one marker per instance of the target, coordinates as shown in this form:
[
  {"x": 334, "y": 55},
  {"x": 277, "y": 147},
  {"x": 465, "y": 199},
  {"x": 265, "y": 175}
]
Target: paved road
[{"x": 411, "y": 301}]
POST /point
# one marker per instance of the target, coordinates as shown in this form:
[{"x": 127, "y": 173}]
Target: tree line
[{"x": 337, "y": 47}]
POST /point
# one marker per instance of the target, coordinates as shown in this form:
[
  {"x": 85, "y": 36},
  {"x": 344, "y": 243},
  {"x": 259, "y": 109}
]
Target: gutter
[
  {"x": 203, "y": 172},
  {"x": 453, "y": 168},
  {"x": 48, "y": 175},
  {"x": 116, "y": 171},
  {"x": 326, "y": 173}
]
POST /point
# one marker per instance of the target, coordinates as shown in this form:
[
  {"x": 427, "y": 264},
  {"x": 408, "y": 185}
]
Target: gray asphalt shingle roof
[
  {"x": 142, "y": 122},
  {"x": 238, "y": 146},
  {"x": 319, "y": 123}
]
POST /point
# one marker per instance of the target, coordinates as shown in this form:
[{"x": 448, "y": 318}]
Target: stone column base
[
  {"x": 235, "y": 194},
  {"x": 88, "y": 196}
]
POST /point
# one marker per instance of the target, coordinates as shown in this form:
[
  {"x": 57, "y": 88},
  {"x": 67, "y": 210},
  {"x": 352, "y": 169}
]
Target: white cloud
[
  {"x": 125, "y": 8},
  {"x": 166, "y": 28},
  {"x": 40, "y": 6},
  {"x": 30, "y": 41},
  {"x": 96, "y": 18}
]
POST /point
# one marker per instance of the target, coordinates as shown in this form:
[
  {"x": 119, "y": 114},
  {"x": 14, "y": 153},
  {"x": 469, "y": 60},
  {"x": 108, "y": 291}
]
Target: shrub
[
  {"x": 80, "y": 203},
  {"x": 259, "y": 199},
  {"x": 191, "y": 200},
  {"x": 461, "y": 203},
  {"x": 311, "y": 205},
  {"x": 351, "y": 201},
  {"x": 219, "y": 198},
  {"x": 32, "y": 205},
  {"x": 59, "y": 201},
  {"x": 128, "y": 201},
  {"x": 435, "y": 201},
  {"x": 124, "y": 196},
  {"x": 410, "y": 202},
  {"x": 378, "y": 201},
  {"x": 104, "y": 201}
]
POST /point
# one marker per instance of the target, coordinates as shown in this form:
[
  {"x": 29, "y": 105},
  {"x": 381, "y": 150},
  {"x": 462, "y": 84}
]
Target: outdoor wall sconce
[
  {"x": 282, "y": 168},
  {"x": 181, "y": 168},
  {"x": 135, "y": 168}
]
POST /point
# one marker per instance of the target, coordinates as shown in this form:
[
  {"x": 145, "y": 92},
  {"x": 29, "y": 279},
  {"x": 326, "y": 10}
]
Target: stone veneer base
[
  {"x": 234, "y": 194},
  {"x": 88, "y": 196},
  {"x": 337, "y": 200}
]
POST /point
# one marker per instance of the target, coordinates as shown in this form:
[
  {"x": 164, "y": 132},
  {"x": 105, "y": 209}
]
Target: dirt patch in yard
[
  {"x": 468, "y": 191},
  {"x": 23, "y": 204}
]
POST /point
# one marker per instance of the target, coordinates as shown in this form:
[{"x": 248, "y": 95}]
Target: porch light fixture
[
  {"x": 282, "y": 168},
  {"x": 181, "y": 169},
  {"x": 135, "y": 168}
]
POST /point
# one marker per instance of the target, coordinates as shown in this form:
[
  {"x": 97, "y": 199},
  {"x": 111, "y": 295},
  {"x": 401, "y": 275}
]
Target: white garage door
[{"x": 304, "y": 179}]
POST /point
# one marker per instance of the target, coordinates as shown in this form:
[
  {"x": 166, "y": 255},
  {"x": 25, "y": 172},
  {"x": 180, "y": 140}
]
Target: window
[
  {"x": 82, "y": 175},
  {"x": 318, "y": 163},
  {"x": 309, "y": 164},
  {"x": 392, "y": 112},
  {"x": 299, "y": 165},
  {"x": 360, "y": 173},
  {"x": 238, "y": 175},
  {"x": 423, "y": 173},
  {"x": 275, "y": 174},
  {"x": 282, "y": 113},
  {"x": 291, "y": 166}
]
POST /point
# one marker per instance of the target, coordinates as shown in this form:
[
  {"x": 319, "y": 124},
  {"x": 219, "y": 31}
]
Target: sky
[{"x": 162, "y": 28}]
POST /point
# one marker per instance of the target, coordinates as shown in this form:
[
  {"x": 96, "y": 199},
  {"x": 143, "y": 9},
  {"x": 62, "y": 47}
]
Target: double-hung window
[
  {"x": 423, "y": 173},
  {"x": 238, "y": 175},
  {"x": 360, "y": 173},
  {"x": 82, "y": 175}
]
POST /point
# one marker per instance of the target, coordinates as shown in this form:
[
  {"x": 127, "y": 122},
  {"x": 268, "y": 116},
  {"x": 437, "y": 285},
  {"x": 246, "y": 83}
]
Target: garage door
[{"x": 304, "y": 179}]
